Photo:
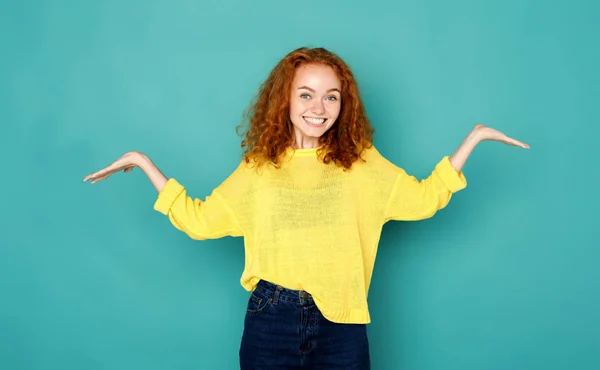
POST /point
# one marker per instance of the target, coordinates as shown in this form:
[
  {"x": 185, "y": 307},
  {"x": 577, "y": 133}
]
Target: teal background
[{"x": 91, "y": 277}]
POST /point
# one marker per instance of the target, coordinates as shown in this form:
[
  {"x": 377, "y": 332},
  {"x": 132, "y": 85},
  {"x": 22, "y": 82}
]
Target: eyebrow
[{"x": 312, "y": 90}]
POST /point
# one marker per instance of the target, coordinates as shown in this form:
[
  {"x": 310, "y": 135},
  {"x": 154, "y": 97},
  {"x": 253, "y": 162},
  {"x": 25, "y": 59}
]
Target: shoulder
[
  {"x": 248, "y": 171},
  {"x": 371, "y": 153},
  {"x": 374, "y": 166},
  {"x": 371, "y": 157}
]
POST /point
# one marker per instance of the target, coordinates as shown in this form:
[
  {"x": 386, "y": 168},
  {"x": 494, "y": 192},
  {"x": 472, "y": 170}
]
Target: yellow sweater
[{"x": 310, "y": 226}]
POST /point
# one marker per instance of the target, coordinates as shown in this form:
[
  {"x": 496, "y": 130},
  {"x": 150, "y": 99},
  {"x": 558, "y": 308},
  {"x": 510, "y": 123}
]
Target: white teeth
[{"x": 315, "y": 121}]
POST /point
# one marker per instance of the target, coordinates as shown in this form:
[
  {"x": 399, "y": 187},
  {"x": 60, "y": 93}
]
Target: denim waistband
[{"x": 277, "y": 293}]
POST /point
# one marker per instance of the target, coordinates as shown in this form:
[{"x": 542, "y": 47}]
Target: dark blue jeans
[{"x": 284, "y": 329}]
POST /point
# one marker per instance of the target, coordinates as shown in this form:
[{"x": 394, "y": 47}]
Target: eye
[
  {"x": 332, "y": 98},
  {"x": 305, "y": 96}
]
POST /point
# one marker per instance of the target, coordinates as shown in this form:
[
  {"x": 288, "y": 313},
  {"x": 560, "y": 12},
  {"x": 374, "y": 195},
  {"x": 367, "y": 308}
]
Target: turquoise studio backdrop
[{"x": 91, "y": 277}]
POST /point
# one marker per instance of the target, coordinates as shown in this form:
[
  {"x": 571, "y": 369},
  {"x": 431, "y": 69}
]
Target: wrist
[
  {"x": 474, "y": 137},
  {"x": 141, "y": 160}
]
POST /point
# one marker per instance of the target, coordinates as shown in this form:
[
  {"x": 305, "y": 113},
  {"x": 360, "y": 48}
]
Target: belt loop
[{"x": 276, "y": 295}]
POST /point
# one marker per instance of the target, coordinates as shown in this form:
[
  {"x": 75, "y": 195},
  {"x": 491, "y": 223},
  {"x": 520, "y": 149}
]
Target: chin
[{"x": 315, "y": 132}]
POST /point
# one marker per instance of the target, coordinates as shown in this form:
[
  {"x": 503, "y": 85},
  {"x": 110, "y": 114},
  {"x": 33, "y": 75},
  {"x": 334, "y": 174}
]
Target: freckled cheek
[
  {"x": 298, "y": 107},
  {"x": 294, "y": 109},
  {"x": 333, "y": 110}
]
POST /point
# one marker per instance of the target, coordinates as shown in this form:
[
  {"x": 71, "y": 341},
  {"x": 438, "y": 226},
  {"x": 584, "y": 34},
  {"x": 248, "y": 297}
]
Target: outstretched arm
[
  {"x": 477, "y": 135},
  {"x": 199, "y": 219},
  {"x": 411, "y": 199}
]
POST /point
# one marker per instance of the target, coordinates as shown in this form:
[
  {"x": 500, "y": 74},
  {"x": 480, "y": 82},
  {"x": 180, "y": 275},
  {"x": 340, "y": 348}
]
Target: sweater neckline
[{"x": 302, "y": 151}]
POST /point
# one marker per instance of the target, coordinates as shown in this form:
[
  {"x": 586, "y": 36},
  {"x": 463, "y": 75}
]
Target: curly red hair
[{"x": 269, "y": 127}]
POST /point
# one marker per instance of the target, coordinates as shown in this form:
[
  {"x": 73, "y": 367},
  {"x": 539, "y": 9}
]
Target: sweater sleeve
[
  {"x": 211, "y": 218},
  {"x": 412, "y": 200}
]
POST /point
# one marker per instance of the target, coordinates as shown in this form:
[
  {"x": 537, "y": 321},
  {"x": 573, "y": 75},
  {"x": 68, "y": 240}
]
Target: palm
[
  {"x": 126, "y": 163},
  {"x": 488, "y": 133}
]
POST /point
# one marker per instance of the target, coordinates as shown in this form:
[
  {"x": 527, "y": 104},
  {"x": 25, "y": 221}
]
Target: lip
[{"x": 315, "y": 125}]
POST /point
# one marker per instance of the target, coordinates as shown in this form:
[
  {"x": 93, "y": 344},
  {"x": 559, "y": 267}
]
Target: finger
[
  {"x": 517, "y": 143},
  {"x": 105, "y": 172},
  {"x": 99, "y": 178},
  {"x": 113, "y": 167},
  {"x": 96, "y": 179},
  {"x": 94, "y": 175},
  {"x": 90, "y": 177}
]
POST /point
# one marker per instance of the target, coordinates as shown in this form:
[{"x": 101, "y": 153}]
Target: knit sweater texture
[{"x": 312, "y": 226}]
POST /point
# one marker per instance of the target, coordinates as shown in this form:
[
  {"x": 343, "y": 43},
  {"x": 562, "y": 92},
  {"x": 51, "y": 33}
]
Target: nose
[{"x": 318, "y": 107}]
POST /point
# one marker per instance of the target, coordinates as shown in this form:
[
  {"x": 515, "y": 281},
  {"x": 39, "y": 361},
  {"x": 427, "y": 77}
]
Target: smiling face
[{"x": 315, "y": 103}]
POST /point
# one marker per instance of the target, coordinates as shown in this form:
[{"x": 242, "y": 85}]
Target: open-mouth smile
[{"x": 314, "y": 122}]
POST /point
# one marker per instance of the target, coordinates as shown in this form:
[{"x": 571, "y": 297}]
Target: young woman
[{"x": 310, "y": 198}]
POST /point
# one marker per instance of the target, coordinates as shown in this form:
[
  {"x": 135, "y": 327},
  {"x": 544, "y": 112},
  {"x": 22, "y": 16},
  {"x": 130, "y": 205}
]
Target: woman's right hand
[{"x": 126, "y": 163}]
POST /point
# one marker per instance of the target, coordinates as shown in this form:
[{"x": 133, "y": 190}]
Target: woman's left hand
[
  {"x": 478, "y": 134},
  {"x": 482, "y": 132}
]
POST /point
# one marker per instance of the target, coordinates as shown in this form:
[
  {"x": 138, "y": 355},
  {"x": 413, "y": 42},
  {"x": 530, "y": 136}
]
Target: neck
[{"x": 302, "y": 142}]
